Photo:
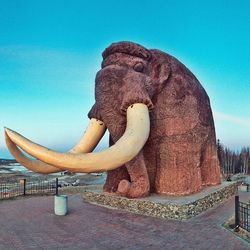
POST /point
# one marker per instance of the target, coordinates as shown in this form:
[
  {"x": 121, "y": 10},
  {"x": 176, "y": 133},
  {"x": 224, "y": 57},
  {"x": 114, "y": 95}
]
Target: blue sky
[{"x": 51, "y": 50}]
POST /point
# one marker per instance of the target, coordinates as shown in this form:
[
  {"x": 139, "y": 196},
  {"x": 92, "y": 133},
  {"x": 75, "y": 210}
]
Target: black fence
[
  {"x": 24, "y": 187},
  {"x": 242, "y": 214}
]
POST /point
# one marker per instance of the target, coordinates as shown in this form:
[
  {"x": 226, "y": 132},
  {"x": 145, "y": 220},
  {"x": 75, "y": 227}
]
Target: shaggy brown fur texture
[{"x": 180, "y": 155}]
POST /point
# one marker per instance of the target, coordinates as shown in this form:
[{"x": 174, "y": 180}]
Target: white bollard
[
  {"x": 61, "y": 204},
  {"x": 243, "y": 188}
]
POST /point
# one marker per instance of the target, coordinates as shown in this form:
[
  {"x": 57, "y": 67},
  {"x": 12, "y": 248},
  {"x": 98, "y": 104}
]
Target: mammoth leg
[
  {"x": 178, "y": 170},
  {"x": 139, "y": 185},
  {"x": 210, "y": 168},
  {"x": 114, "y": 176},
  {"x": 113, "y": 179}
]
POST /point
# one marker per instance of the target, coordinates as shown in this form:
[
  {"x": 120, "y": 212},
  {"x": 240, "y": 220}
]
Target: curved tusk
[
  {"x": 88, "y": 142},
  {"x": 91, "y": 137},
  {"x": 34, "y": 165},
  {"x": 125, "y": 149}
]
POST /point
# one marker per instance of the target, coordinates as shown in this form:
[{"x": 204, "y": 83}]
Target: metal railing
[
  {"x": 24, "y": 187},
  {"x": 242, "y": 214}
]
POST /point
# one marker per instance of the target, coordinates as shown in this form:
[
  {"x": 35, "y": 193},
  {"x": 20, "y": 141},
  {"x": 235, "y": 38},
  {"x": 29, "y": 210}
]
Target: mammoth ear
[{"x": 162, "y": 72}]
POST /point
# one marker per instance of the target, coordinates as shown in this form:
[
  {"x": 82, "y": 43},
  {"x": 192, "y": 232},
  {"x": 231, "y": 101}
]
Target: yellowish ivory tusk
[
  {"x": 88, "y": 142},
  {"x": 90, "y": 138},
  {"x": 34, "y": 165},
  {"x": 125, "y": 149}
]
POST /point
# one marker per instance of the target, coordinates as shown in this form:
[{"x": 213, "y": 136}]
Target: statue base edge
[{"x": 161, "y": 206}]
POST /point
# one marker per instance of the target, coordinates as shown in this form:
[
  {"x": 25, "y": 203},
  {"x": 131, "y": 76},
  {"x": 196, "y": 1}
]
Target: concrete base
[{"x": 180, "y": 208}]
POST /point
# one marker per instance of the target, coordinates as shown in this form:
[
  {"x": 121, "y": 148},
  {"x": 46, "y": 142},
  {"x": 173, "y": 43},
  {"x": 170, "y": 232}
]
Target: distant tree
[
  {"x": 245, "y": 159},
  {"x": 232, "y": 162},
  {"x": 220, "y": 153}
]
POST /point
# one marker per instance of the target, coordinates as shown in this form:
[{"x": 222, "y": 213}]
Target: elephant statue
[{"x": 162, "y": 135}]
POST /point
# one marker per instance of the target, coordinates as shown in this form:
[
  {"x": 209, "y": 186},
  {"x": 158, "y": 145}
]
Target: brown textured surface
[{"x": 180, "y": 155}]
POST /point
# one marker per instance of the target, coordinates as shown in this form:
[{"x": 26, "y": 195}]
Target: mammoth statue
[{"x": 162, "y": 135}]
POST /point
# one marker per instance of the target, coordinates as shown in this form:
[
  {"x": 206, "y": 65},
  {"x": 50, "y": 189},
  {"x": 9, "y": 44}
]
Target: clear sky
[{"x": 50, "y": 51}]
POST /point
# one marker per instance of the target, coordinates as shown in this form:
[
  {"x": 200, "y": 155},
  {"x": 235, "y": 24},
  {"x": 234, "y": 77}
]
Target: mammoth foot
[
  {"x": 114, "y": 177},
  {"x": 136, "y": 189}
]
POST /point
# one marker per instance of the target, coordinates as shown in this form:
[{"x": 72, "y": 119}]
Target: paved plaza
[{"x": 30, "y": 223}]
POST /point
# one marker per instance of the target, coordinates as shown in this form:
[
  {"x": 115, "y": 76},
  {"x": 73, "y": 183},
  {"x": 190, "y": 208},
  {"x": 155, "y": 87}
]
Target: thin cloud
[
  {"x": 232, "y": 119},
  {"x": 53, "y": 67},
  {"x": 47, "y": 58},
  {"x": 30, "y": 52}
]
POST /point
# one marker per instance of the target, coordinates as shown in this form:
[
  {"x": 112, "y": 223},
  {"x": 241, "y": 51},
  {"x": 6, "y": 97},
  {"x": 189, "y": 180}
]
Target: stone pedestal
[{"x": 166, "y": 207}]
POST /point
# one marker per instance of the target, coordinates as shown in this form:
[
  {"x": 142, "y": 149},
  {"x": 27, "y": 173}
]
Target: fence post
[
  {"x": 237, "y": 212},
  {"x": 56, "y": 186},
  {"x": 24, "y": 186}
]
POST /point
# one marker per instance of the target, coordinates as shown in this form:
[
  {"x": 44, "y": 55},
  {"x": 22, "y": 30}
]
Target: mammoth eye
[{"x": 139, "y": 67}]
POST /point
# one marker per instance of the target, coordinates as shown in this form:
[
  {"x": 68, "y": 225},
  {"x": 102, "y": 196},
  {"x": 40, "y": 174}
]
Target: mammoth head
[
  {"x": 131, "y": 75},
  {"x": 134, "y": 69}
]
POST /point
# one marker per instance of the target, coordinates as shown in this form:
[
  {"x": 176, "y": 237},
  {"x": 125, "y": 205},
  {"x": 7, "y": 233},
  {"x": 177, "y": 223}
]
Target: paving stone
[{"x": 30, "y": 223}]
